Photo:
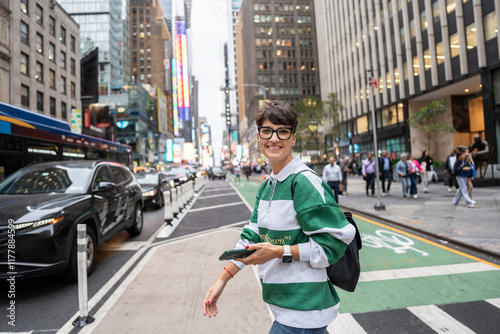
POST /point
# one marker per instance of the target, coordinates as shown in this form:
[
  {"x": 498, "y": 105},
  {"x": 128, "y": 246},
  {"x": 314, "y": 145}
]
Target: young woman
[
  {"x": 463, "y": 171},
  {"x": 426, "y": 163},
  {"x": 294, "y": 238},
  {"x": 470, "y": 185},
  {"x": 414, "y": 169}
]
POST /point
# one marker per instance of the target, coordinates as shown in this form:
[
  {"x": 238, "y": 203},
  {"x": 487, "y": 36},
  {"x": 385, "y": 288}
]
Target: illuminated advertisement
[
  {"x": 205, "y": 139},
  {"x": 189, "y": 152},
  {"x": 182, "y": 71},
  {"x": 177, "y": 153},
  {"x": 174, "y": 99},
  {"x": 169, "y": 156}
]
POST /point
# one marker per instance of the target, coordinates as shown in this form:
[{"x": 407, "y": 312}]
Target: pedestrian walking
[
  {"x": 332, "y": 175},
  {"x": 449, "y": 169},
  {"x": 386, "y": 172},
  {"x": 346, "y": 170},
  {"x": 415, "y": 168},
  {"x": 470, "y": 184},
  {"x": 354, "y": 166},
  {"x": 294, "y": 238},
  {"x": 237, "y": 173},
  {"x": 368, "y": 169},
  {"x": 403, "y": 170},
  {"x": 427, "y": 164},
  {"x": 248, "y": 171},
  {"x": 463, "y": 171}
]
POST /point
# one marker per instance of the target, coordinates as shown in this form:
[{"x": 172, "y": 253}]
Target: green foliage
[{"x": 425, "y": 120}]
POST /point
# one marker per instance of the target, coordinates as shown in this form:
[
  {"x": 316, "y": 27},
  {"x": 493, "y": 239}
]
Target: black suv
[{"x": 41, "y": 205}]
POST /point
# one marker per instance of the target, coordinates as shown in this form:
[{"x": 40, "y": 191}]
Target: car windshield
[
  {"x": 217, "y": 170},
  {"x": 147, "y": 178},
  {"x": 54, "y": 179},
  {"x": 177, "y": 170}
]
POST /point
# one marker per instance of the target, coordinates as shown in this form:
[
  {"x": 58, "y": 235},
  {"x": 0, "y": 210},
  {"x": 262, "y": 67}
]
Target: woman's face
[{"x": 274, "y": 148}]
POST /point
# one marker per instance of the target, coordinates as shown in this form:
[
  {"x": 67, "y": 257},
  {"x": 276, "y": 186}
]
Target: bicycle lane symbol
[{"x": 390, "y": 240}]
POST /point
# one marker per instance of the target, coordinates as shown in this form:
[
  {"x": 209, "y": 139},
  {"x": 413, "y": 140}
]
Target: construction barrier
[
  {"x": 168, "y": 214},
  {"x": 175, "y": 205}
]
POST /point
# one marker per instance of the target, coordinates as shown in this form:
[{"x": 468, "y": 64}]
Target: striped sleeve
[{"x": 321, "y": 219}]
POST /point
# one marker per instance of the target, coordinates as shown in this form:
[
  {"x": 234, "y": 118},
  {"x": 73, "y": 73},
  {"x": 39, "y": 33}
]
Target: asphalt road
[{"x": 409, "y": 284}]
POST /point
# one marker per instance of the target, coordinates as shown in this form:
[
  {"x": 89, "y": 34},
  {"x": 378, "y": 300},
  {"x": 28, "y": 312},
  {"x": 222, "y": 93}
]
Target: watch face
[{"x": 287, "y": 258}]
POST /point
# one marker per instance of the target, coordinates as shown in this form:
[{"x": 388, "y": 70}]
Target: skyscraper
[{"x": 104, "y": 24}]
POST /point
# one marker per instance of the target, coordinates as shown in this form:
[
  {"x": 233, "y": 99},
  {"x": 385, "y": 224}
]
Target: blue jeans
[
  {"x": 406, "y": 183},
  {"x": 413, "y": 190},
  {"x": 278, "y": 328},
  {"x": 334, "y": 185}
]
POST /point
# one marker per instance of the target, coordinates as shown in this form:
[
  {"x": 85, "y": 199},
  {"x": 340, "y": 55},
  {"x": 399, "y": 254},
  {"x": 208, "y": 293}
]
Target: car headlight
[
  {"x": 172, "y": 183},
  {"x": 38, "y": 223},
  {"x": 149, "y": 193},
  {"x": 184, "y": 178},
  {"x": 198, "y": 174}
]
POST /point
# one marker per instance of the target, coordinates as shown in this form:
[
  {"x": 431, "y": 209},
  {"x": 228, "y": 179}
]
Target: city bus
[{"x": 27, "y": 137}]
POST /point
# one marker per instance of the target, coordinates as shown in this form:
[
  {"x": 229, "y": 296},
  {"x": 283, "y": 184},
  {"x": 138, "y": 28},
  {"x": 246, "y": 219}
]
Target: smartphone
[{"x": 235, "y": 254}]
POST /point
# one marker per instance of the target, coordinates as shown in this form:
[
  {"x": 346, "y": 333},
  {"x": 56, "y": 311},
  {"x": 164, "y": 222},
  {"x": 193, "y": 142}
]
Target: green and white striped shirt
[{"x": 299, "y": 293}]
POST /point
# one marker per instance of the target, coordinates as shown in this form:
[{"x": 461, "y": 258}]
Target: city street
[{"x": 409, "y": 284}]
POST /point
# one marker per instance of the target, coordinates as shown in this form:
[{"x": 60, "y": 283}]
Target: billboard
[
  {"x": 177, "y": 153},
  {"x": 189, "y": 152},
  {"x": 169, "y": 156},
  {"x": 162, "y": 111},
  {"x": 182, "y": 71},
  {"x": 174, "y": 99},
  {"x": 76, "y": 121}
]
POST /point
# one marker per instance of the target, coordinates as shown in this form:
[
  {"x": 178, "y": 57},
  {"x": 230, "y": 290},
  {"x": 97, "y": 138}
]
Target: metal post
[
  {"x": 81, "y": 249},
  {"x": 378, "y": 205}
]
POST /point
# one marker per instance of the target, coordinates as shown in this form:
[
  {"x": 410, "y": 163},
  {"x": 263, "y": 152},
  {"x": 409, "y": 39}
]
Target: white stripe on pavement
[
  {"x": 495, "y": 302},
  {"x": 345, "y": 323},
  {"x": 216, "y": 207},
  {"x": 439, "y": 320},
  {"x": 220, "y": 195},
  {"x": 449, "y": 269},
  {"x": 121, "y": 246}
]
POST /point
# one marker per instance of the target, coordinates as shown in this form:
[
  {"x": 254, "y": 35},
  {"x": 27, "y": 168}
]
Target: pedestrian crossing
[{"x": 475, "y": 317}]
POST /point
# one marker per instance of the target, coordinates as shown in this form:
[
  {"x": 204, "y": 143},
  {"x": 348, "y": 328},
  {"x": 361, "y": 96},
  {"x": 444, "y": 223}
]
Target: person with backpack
[
  {"x": 368, "y": 170},
  {"x": 295, "y": 235},
  {"x": 404, "y": 171}
]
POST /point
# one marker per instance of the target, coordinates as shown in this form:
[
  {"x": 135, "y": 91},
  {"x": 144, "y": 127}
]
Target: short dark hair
[{"x": 278, "y": 113}]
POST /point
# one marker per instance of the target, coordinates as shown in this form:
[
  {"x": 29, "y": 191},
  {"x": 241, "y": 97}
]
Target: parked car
[
  {"x": 43, "y": 203},
  {"x": 217, "y": 173},
  {"x": 153, "y": 185},
  {"x": 179, "y": 175},
  {"x": 195, "y": 172}
]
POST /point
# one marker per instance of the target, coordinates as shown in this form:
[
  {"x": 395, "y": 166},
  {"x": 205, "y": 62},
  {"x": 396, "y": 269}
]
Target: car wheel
[
  {"x": 136, "y": 227},
  {"x": 71, "y": 272}
]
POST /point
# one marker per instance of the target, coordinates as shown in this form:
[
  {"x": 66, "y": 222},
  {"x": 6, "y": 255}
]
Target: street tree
[
  {"x": 310, "y": 114},
  {"x": 426, "y": 120}
]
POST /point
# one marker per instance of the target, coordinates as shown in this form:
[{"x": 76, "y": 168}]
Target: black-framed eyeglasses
[{"x": 282, "y": 133}]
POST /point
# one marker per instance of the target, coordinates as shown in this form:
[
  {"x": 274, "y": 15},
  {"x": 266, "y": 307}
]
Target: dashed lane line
[
  {"x": 495, "y": 302},
  {"x": 345, "y": 323},
  {"x": 449, "y": 269},
  {"x": 216, "y": 207},
  {"x": 439, "y": 320},
  {"x": 215, "y": 196}
]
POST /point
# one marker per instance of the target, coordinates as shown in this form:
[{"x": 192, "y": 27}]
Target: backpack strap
[{"x": 297, "y": 174}]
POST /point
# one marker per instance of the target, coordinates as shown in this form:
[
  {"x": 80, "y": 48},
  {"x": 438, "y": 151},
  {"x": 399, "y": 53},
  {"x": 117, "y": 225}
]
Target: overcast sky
[{"x": 210, "y": 28}]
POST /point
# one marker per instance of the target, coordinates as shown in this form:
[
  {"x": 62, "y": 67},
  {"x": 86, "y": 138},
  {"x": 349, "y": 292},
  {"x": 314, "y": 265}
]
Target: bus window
[
  {"x": 42, "y": 152},
  {"x": 72, "y": 153}
]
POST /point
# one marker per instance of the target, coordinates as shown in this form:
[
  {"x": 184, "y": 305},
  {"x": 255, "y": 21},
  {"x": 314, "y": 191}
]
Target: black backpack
[{"x": 345, "y": 272}]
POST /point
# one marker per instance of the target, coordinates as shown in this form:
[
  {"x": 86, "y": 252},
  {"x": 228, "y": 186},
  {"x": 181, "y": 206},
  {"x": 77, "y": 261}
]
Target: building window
[
  {"x": 471, "y": 34},
  {"x": 52, "y": 51},
  {"x": 39, "y": 101},
  {"x": 25, "y": 61},
  {"x": 73, "y": 90},
  {"x": 427, "y": 59},
  {"x": 25, "y": 95},
  {"x": 73, "y": 66},
  {"x": 39, "y": 72},
  {"x": 39, "y": 15},
  {"x": 52, "y": 26},
  {"x": 25, "y": 6},
  {"x": 435, "y": 11},
  {"x": 440, "y": 53},
  {"x": 25, "y": 32},
  {"x": 52, "y": 79},
  {"x": 52, "y": 106},
  {"x": 63, "y": 60},
  {"x": 490, "y": 26},
  {"x": 73, "y": 43},
  {"x": 63, "y": 85},
  {"x": 63, "y": 35},
  {"x": 39, "y": 43},
  {"x": 450, "y": 6},
  {"x": 64, "y": 111},
  {"x": 454, "y": 45}
]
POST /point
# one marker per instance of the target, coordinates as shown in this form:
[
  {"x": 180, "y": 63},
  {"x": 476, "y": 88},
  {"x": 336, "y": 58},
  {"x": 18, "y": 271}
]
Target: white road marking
[
  {"x": 216, "y": 206},
  {"x": 495, "y": 302},
  {"x": 242, "y": 198},
  {"x": 345, "y": 323},
  {"x": 215, "y": 196},
  {"x": 120, "y": 246},
  {"x": 439, "y": 320},
  {"x": 449, "y": 269}
]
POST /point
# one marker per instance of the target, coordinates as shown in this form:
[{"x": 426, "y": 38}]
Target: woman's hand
[
  {"x": 211, "y": 297},
  {"x": 265, "y": 251}
]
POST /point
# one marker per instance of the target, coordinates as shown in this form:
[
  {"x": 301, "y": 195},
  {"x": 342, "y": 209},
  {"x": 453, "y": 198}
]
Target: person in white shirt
[
  {"x": 448, "y": 169},
  {"x": 332, "y": 175}
]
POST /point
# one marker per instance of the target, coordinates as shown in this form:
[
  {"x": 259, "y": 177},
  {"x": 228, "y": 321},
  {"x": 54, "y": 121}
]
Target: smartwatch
[{"x": 287, "y": 255}]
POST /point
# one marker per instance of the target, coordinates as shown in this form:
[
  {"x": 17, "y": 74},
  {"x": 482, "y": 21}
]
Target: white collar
[{"x": 290, "y": 168}]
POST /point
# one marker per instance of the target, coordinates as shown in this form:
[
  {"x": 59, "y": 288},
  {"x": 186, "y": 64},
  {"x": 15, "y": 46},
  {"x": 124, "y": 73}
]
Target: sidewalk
[{"x": 434, "y": 212}]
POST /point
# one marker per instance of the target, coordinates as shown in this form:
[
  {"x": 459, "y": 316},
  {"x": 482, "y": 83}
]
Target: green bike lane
[{"x": 401, "y": 270}]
